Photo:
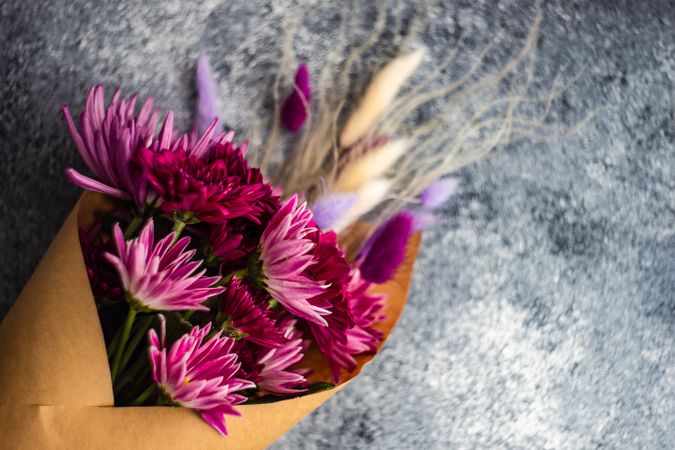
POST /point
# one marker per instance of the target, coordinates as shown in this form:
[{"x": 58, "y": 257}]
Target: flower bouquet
[
  {"x": 185, "y": 279},
  {"x": 192, "y": 294}
]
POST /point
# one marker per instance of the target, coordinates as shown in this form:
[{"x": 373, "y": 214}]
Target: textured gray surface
[{"x": 540, "y": 317}]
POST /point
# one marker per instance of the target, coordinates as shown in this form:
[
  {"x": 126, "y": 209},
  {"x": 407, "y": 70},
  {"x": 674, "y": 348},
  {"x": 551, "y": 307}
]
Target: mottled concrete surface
[{"x": 541, "y": 316}]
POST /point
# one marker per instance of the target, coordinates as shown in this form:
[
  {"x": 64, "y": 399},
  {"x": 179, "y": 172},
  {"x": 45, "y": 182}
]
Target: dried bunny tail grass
[
  {"x": 301, "y": 168},
  {"x": 369, "y": 197},
  {"x": 378, "y": 96},
  {"x": 272, "y": 143},
  {"x": 477, "y": 113},
  {"x": 479, "y": 134},
  {"x": 368, "y": 43},
  {"x": 478, "y": 117},
  {"x": 317, "y": 153},
  {"x": 373, "y": 164}
]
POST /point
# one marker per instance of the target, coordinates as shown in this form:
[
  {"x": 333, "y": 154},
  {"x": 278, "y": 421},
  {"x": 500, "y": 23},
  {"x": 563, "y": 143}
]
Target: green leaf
[
  {"x": 318, "y": 387},
  {"x": 312, "y": 389}
]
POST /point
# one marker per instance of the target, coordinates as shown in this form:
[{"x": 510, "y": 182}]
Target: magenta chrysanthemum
[
  {"x": 366, "y": 310},
  {"x": 223, "y": 244},
  {"x": 247, "y": 317},
  {"x": 161, "y": 276},
  {"x": 107, "y": 140},
  {"x": 285, "y": 255},
  {"x": 230, "y": 243},
  {"x": 275, "y": 371},
  {"x": 331, "y": 268},
  {"x": 214, "y": 188},
  {"x": 197, "y": 374}
]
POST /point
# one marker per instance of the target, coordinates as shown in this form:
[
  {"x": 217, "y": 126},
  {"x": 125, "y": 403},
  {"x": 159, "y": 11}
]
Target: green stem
[
  {"x": 224, "y": 280},
  {"x": 188, "y": 314},
  {"x": 113, "y": 343},
  {"x": 123, "y": 341},
  {"x": 164, "y": 401},
  {"x": 241, "y": 273},
  {"x": 134, "y": 373},
  {"x": 183, "y": 322},
  {"x": 133, "y": 225},
  {"x": 145, "y": 395},
  {"x": 177, "y": 229},
  {"x": 140, "y": 332}
]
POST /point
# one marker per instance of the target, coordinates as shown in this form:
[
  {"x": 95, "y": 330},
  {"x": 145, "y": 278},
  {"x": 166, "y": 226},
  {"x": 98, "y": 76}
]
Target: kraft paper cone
[{"x": 55, "y": 388}]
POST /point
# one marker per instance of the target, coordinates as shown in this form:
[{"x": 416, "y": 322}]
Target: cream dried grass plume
[
  {"x": 371, "y": 194},
  {"x": 372, "y": 164},
  {"x": 379, "y": 95},
  {"x": 316, "y": 153}
]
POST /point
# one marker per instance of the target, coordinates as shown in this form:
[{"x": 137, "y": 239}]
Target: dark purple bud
[
  {"x": 385, "y": 250},
  {"x": 296, "y": 108}
]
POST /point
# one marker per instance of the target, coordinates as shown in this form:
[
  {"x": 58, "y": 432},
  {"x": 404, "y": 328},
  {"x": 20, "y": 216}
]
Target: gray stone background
[{"x": 541, "y": 315}]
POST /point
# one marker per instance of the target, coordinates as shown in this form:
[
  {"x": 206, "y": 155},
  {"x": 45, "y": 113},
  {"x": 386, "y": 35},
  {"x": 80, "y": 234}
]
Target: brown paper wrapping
[{"x": 55, "y": 388}]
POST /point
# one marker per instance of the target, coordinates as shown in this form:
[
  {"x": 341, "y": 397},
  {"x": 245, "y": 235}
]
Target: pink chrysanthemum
[
  {"x": 215, "y": 187},
  {"x": 108, "y": 139},
  {"x": 274, "y": 375},
  {"x": 285, "y": 254},
  {"x": 247, "y": 317},
  {"x": 197, "y": 374},
  {"x": 273, "y": 370},
  {"x": 366, "y": 310},
  {"x": 161, "y": 276}
]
